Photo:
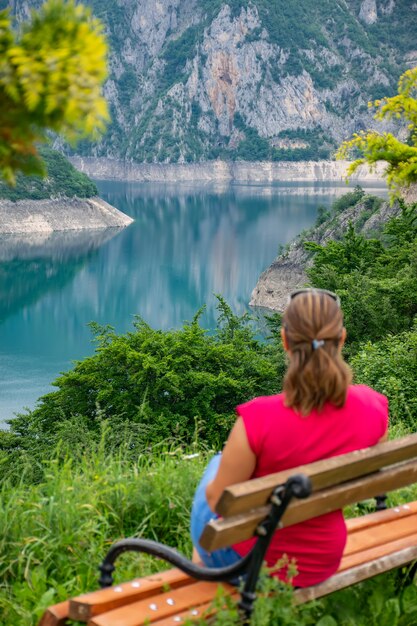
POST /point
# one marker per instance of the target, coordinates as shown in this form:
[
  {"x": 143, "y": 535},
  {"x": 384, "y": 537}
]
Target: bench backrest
[{"x": 336, "y": 482}]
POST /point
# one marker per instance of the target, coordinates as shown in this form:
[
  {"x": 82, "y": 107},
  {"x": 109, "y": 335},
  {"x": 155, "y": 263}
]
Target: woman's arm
[{"x": 237, "y": 464}]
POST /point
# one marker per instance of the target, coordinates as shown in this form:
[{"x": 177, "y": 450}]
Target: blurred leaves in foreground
[
  {"x": 51, "y": 74},
  {"x": 372, "y": 146}
]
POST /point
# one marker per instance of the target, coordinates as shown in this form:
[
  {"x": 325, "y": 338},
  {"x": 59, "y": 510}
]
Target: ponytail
[{"x": 317, "y": 373}]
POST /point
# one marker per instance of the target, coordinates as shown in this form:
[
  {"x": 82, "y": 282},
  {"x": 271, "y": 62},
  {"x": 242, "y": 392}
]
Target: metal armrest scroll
[
  {"x": 171, "y": 556},
  {"x": 298, "y": 486}
]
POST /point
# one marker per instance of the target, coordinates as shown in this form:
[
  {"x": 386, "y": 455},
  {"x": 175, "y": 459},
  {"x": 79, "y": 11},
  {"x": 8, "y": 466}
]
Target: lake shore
[
  {"x": 60, "y": 214},
  {"x": 239, "y": 171},
  {"x": 288, "y": 271}
]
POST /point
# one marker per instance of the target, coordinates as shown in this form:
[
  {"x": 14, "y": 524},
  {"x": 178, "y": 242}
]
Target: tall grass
[{"x": 55, "y": 533}]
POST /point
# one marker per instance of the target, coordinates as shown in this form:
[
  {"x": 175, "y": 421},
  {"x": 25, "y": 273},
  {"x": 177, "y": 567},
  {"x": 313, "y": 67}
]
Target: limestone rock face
[
  {"x": 198, "y": 80},
  {"x": 410, "y": 194},
  {"x": 288, "y": 271},
  {"x": 101, "y": 168},
  {"x": 277, "y": 282},
  {"x": 368, "y": 12},
  {"x": 46, "y": 216}
]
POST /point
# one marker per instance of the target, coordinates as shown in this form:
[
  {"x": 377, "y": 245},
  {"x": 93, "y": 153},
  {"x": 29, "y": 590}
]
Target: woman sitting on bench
[{"x": 320, "y": 414}]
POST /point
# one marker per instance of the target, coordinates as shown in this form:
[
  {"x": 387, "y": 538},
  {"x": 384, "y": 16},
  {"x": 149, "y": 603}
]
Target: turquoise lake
[{"x": 187, "y": 243}]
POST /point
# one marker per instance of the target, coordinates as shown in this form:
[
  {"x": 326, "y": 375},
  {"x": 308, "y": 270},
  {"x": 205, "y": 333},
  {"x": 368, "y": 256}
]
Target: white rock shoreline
[
  {"x": 102, "y": 168},
  {"x": 63, "y": 214}
]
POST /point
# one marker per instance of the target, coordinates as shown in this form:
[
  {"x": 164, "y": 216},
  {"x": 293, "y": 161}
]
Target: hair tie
[{"x": 317, "y": 343}]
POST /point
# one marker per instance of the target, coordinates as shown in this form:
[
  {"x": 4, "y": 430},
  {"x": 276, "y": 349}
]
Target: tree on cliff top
[
  {"x": 51, "y": 75},
  {"x": 400, "y": 156}
]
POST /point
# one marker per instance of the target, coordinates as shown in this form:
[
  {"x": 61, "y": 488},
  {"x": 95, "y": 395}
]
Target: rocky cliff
[
  {"x": 240, "y": 171},
  {"x": 288, "y": 271},
  {"x": 46, "y": 216},
  {"x": 194, "y": 80}
]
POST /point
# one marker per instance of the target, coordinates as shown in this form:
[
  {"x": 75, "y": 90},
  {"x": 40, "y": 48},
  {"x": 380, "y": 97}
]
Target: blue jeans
[{"x": 201, "y": 514}]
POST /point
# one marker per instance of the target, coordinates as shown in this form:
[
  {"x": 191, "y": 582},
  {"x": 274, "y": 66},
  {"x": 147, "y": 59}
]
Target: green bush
[
  {"x": 380, "y": 601},
  {"x": 62, "y": 179},
  {"x": 152, "y": 386},
  {"x": 375, "y": 278},
  {"x": 348, "y": 200},
  {"x": 390, "y": 367},
  {"x": 176, "y": 54}
]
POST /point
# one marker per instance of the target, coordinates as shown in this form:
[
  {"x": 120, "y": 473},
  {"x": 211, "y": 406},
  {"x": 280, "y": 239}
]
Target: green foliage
[
  {"x": 274, "y": 605},
  {"x": 380, "y": 600},
  {"x": 153, "y": 386},
  {"x": 61, "y": 179},
  {"x": 353, "y": 253},
  {"x": 128, "y": 85},
  {"x": 318, "y": 145},
  {"x": 291, "y": 26},
  {"x": 400, "y": 156},
  {"x": 253, "y": 147},
  {"x": 376, "y": 279},
  {"x": 371, "y": 205},
  {"x": 348, "y": 200},
  {"x": 372, "y": 603},
  {"x": 256, "y": 148},
  {"x": 323, "y": 214},
  {"x": 50, "y": 79},
  {"x": 390, "y": 366},
  {"x": 176, "y": 54},
  {"x": 396, "y": 28},
  {"x": 324, "y": 79},
  {"x": 55, "y": 533}
]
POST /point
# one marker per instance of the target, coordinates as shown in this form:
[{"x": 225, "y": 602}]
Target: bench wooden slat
[
  {"x": 371, "y": 527},
  {"x": 191, "y": 615},
  {"x": 369, "y": 520},
  {"x": 225, "y": 532},
  {"x": 356, "y": 574},
  {"x": 383, "y": 549},
  {"x": 323, "y": 474},
  {"x": 86, "y": 606},
  {"x": 167, "y": 604},
  {"x": 56, "y": 615},
  {"x": 382, "y": 534}
]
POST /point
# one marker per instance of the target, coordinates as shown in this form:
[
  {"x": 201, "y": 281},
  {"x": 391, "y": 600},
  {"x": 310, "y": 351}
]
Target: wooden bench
[{"x": 377, "y": 542}]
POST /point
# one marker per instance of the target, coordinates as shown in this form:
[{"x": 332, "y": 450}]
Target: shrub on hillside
[
  {"x": 390, "y": 367},
  {"x": 62, "y": 179},
  {"x": 376, "y": 279},
  {"x": 154, "y": 386}
]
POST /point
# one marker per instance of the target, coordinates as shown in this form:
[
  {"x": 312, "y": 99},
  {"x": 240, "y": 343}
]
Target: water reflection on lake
[{"x": 187, "y": 243}]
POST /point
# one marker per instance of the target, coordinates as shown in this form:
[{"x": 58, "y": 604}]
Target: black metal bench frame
[{"x": 297, "y": 486}]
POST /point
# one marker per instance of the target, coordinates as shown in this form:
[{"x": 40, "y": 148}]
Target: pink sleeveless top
[{"x": 282, "y": 439}]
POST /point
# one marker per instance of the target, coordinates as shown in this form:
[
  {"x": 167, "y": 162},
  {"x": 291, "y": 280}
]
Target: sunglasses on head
[{"x": 298, "y": 292}]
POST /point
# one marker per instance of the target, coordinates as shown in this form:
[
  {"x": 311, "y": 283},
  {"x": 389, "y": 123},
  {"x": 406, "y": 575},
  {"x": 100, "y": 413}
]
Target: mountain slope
[
  {"x": 368, "y": 214},
  {"x": 61, "y": 180},
  {"x": 194, "y": 80}
]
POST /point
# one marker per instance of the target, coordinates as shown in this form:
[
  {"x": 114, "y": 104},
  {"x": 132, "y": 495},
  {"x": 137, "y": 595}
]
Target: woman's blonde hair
[{"x": 317, "y": 373}]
